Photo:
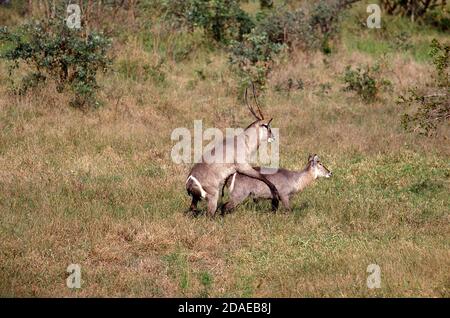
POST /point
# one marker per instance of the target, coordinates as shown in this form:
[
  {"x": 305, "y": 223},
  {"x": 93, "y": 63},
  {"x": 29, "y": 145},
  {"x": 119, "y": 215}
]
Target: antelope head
[
  {"x": 317, "y": 168},
  {"x": 261, "y": 126}
]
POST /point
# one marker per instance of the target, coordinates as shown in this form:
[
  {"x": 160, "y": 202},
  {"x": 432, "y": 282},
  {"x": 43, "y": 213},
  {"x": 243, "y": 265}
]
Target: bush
[
  {"x": 303, "y": 27},
  {"x": 440, "y": 55},
  {"x": 52, "y": 51},
  {"x": 365, "y": 81},
  {"x": 431, "y": 12},
  {"x": 266, "y": 4},
  {"x": 289, "y": 27},
  {"x": 325, "y": 18},
  {"x": 439, "y": 19},
  {"x": 222, "y": 20},
  {"x": 433, "y": 100},
  {"x": 411, "y": 8},
  {"x": 253, "y": 58}
]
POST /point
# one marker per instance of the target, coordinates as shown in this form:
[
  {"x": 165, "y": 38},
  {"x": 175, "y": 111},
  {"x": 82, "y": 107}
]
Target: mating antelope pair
[{"x": 205, "y": 179}]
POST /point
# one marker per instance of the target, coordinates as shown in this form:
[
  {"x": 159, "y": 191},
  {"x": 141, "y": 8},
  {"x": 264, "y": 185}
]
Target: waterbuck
[
  {"x": 287, "y": 182},
  {"x": 206, "y": 178}
]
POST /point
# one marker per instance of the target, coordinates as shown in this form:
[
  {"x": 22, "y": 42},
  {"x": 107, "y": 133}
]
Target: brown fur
[
  {"x": 210, "y": 176},
  {"x": 287, "y": 182}
]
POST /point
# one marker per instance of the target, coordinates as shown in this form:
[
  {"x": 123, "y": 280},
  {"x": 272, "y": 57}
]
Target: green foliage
[
  {"x": 307, "y": 29},
  {"x": 254, "y": 46},
  {"x": 325, "y": 18},
  {"x": 266, "y": 4},
  {"x": 52, "y": 51},
  {"x": 222, "y": 20},
  {"x": 413, "y": 9},
  {"x": 324, "y": 15},
  {"x": 253, "y": 58},
  {"x": 438, "y": 18},
  {"x": 432, "y": 110},
  {"x": 433, "y": 101},
  {"x": 365, "y": 81},
  {"x": 283, "y": 28},
  {"x": 440, "y": 55},
  {"x": 430, "y": 12}
]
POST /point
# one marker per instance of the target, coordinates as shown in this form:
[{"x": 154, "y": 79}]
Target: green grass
[{"x": 396, "y": 35}]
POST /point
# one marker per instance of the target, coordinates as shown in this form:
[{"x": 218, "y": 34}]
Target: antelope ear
[
  {"x": 316, "y": 158},
  {"x": 310, "y": 158}
]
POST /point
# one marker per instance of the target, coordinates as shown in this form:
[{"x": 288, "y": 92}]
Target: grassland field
[{"x": 98, "y": 188}]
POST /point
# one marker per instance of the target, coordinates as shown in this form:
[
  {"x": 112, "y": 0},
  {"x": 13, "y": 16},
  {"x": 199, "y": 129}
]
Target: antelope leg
[
  {"x": 194, "y": 204},
  {"x": 285, "y": 201},
  {"x": 212, "y": 203},
  {"x": 235, "y": 200}
]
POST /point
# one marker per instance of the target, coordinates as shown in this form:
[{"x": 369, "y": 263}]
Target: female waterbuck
[
  {"x": 287, "y": 182},
  {"x": 205, "y": 178}
]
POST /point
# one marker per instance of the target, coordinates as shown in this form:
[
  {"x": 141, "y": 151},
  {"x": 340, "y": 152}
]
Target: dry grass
[{"x": 99, "y": 189}]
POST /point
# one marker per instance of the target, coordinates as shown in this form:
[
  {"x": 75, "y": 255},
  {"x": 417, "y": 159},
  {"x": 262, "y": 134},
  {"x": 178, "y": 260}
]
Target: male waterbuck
[
  {"x": 287, "y": 182},
  {"x": 206, "y": 178}
]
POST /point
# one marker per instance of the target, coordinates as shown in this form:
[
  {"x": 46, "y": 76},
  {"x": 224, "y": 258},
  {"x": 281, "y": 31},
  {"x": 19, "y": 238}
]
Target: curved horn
[
  {"x": 256, "y": 102},
  {"x": 249, "y": 107}
]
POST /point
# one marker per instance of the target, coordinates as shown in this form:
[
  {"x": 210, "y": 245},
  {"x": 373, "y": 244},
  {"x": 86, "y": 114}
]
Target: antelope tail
[{"x": 229, "y": 182}]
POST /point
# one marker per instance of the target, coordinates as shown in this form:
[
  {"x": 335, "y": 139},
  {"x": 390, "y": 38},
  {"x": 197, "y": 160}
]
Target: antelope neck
[{"x": 304, "y": 178}]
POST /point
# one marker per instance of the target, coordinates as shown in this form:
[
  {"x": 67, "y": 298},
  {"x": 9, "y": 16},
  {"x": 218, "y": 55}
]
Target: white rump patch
[{"x": 202, "y": 191}]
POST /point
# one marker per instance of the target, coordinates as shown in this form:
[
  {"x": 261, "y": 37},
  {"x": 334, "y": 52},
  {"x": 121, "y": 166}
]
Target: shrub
[
  {"x": 266, "y": 4},
  {"x": 253, "y": 58},
  {"x": 438, "y": 18},
  {"x": 433, "y": 100},
  {"x": 52, "y": 51},
  {"x": 365, "y": 81},
  {"x": 307, "y": 28},
  {"x": 222, "y": 20},
  {"x": 440, "y": 55},
  {"x": 413, "y": 9},
  {"x": 325, "y": 18},
  {"x": 289, "y": 27}
]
